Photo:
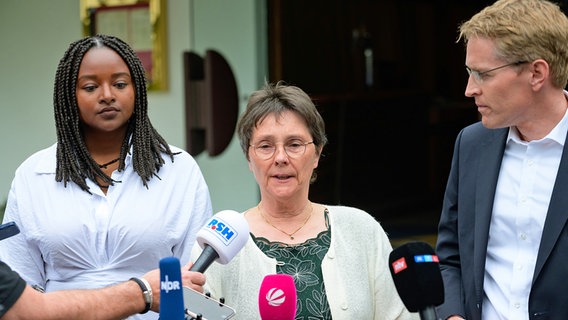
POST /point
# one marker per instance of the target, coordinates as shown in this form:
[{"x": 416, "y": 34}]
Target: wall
[
  {"x": 34, "y": 35},
  {"x": 233, "y": 28}
]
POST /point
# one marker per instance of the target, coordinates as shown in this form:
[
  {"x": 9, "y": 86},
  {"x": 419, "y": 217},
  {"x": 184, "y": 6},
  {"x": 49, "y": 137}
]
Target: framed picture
[{"x": 140, "y": 23}]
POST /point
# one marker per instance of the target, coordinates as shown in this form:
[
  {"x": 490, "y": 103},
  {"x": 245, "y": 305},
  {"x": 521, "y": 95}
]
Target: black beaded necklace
[{"x": 105, "y": 165}]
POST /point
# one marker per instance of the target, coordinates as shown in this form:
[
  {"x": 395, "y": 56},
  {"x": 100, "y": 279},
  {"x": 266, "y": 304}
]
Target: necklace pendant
[{"x": 291, "y": 238}]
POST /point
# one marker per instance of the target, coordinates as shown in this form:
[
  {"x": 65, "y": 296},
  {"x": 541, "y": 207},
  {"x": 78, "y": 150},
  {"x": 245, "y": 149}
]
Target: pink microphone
[{"x": 277, "y": 297}]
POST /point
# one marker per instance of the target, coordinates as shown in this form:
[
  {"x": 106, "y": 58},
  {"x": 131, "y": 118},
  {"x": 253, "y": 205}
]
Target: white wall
[
  {"x": 35, "y": 34},
  {"x": 230, "y": 27}
]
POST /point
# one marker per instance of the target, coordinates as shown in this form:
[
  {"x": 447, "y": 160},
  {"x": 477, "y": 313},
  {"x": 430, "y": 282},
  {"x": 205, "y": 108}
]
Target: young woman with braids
[{"x": 111, "y": 197}]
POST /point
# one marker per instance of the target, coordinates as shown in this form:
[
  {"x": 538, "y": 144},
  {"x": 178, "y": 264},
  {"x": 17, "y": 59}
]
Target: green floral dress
[{"x": 303, "y": 262}]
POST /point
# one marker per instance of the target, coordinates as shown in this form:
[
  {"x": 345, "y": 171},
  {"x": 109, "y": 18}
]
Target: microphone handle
[
  {"x": 428, "y": 313},
  {"x": 205, "y": 259}
]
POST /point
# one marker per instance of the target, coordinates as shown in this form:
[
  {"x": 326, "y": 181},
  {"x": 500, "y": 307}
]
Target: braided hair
[{"x": 74, "y": 162}]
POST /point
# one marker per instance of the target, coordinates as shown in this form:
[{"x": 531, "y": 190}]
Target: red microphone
[{"x": 277, "y": 297}]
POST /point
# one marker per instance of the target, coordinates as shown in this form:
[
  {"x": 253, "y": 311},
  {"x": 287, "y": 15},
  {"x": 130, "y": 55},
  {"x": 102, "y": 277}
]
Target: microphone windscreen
[
  {"x": 226, "y": 232},
  {"x": 277, "y": 297},
  {"x": 415, "y": 269},
  {"x": 171, "y": 293}
]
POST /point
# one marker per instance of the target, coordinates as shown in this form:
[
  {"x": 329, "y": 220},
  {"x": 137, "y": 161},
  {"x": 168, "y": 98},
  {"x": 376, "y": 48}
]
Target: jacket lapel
[
  {"x": 557, "y": 214},
  {"x": 490, "y": 157}
]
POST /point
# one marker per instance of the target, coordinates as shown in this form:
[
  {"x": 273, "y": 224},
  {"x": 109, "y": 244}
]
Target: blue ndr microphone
[{"x": 171, "y": 293}]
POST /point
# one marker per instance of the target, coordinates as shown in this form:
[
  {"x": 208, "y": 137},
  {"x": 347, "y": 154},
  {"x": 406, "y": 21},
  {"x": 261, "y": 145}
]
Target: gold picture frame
[{"x": 126, "y": 19}]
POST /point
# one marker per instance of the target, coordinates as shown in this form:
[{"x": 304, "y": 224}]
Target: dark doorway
[{"x": 388, "y": 78}]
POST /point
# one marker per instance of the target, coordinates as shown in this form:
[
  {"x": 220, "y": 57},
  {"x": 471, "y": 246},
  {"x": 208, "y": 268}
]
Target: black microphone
[
  {"x": 221, "y": 239},
  {"x": 415, "y": 269},
  {"x": 8, "y": 230}
]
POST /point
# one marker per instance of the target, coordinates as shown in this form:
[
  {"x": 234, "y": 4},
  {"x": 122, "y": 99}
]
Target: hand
[
  {"x": 194, "y": 280},
  {"x": 191, "y": 279}
]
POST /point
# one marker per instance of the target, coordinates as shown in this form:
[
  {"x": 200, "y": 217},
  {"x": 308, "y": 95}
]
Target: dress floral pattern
[{"x": 303, "y": 262}]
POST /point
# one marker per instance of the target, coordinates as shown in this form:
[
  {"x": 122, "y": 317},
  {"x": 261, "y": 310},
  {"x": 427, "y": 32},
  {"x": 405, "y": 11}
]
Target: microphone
[
  {"x": 171, "y": 293},
  {"x": 8, "y": 230},
  {"x": 221, "y": 238},
  {"x": 415, "y": 269},
  {"x": 277, "y": 297}
]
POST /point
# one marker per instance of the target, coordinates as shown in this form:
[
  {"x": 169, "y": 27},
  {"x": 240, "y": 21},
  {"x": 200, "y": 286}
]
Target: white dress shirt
[
  {"x": 527, "y": 176},
  {"x": 71, "y": 239}
]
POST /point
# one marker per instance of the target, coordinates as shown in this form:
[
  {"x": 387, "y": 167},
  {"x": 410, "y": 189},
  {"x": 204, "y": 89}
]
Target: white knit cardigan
[{"x": 355, "y": 270}]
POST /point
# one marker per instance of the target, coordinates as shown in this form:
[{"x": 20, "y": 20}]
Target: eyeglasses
[
  {"x": 480, "y": 76},
  {"x": 293, "y": 148}
]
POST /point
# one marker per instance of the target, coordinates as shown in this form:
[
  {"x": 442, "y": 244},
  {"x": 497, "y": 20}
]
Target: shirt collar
[{"x": 558, "y": 133}]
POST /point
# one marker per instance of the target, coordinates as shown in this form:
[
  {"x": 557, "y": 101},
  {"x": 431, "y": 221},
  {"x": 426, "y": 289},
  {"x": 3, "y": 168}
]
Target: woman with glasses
[{"x": 337, "y": 255}]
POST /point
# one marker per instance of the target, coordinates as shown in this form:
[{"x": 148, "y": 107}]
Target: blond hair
[{"x": 524, "y": 30}]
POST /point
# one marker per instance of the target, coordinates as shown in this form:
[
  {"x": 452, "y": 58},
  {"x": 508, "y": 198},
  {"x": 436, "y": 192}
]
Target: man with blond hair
[{"x": 503, "y": 237}]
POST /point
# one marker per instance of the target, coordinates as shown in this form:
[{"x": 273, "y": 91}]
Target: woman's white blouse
[{"x": 72, "y": 239}]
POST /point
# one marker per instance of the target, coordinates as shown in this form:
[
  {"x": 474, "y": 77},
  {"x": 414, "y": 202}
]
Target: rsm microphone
[{"x": 221, "y": 239}]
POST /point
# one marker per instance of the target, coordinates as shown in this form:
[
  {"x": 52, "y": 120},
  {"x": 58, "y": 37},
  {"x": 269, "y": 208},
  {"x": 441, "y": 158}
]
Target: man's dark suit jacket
[{"x": 464, "y": 228}]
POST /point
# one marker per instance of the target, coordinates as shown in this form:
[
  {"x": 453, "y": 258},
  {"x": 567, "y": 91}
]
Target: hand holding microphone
[
  {"x": 224, "y": 235},
  {"x": 175, "y": 297},
  {"x": 416, "y": 273},
  {"x": 171, "y": 294},
  {"x": 221, "y": 239}
]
